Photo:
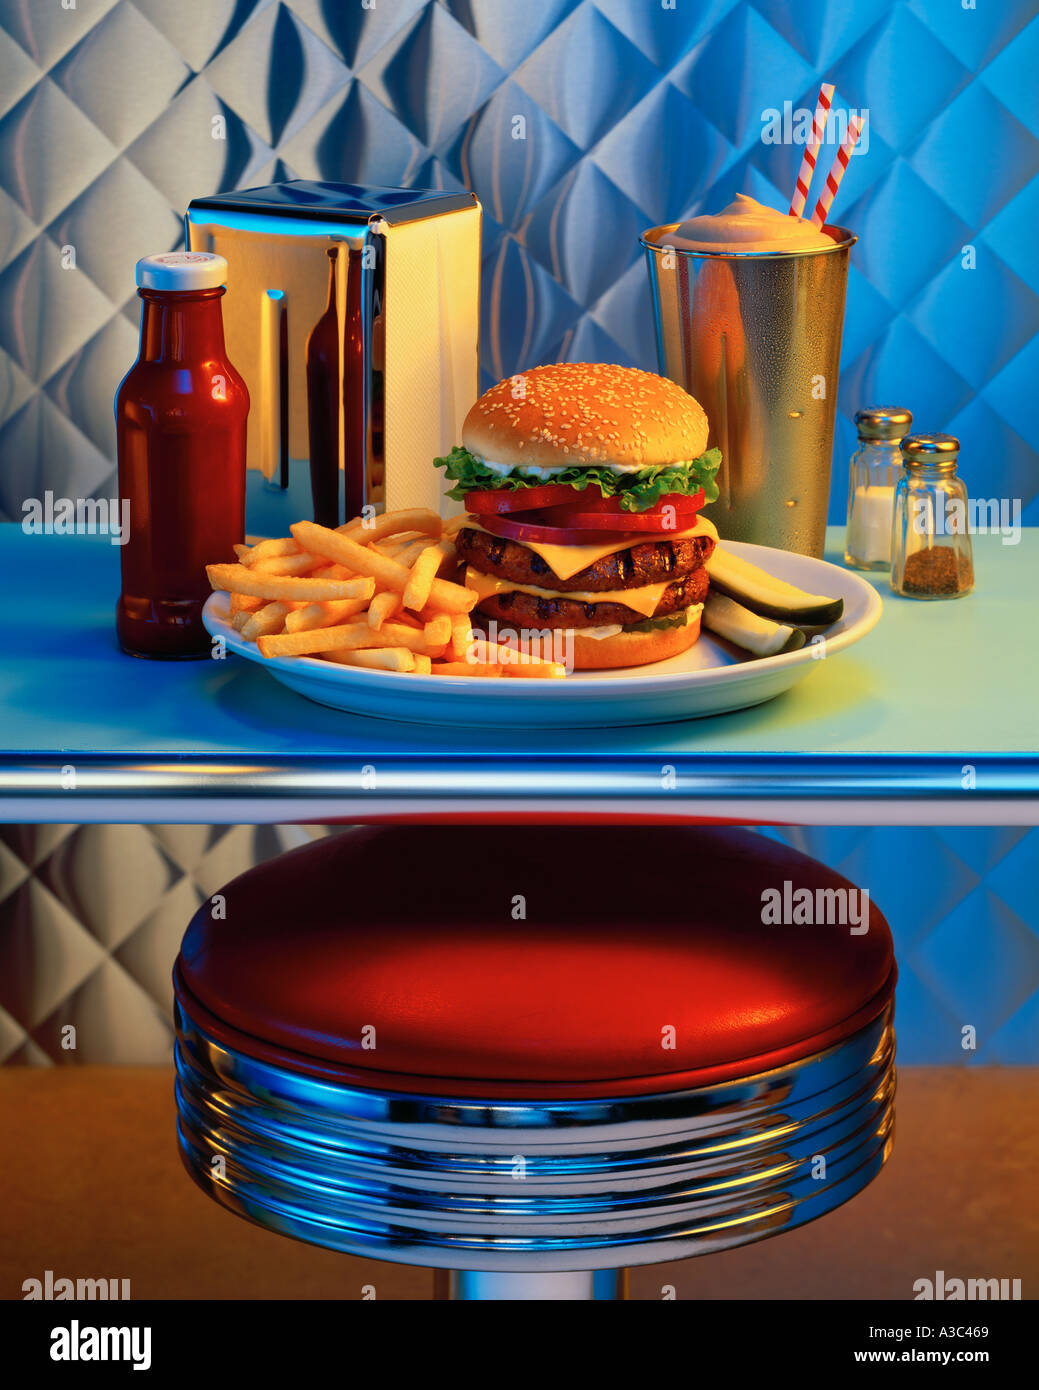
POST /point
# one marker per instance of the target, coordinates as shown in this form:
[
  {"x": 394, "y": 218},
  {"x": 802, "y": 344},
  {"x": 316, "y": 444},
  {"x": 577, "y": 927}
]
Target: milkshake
[
  {"x": 748, "y": 227},
  {"x": 749, "y": 309}
]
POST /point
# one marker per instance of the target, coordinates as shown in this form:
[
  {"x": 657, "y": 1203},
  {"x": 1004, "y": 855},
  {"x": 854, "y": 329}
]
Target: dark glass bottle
[
  {"x": 323, "y": 406},
  {"x": 336, "y": 395}
]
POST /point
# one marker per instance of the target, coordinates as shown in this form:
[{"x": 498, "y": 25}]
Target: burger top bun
[{"x": 574, "y": 413}]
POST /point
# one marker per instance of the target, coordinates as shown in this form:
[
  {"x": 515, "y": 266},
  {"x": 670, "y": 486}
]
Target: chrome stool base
[
  {"x": 539, "y": 1187},
  {"x": 474, "y": 1285}
]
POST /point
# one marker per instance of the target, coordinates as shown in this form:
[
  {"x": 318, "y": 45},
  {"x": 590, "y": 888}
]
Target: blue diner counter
[{"x": 933, "y": 717}]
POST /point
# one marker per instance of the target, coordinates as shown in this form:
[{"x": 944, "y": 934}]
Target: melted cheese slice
[
  {"x": 568, "y": 560},
  {"x": 642, "y": 600}
]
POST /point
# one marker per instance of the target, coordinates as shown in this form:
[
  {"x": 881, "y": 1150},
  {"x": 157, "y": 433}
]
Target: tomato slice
[
  {"x": 533, "y": 526},
  {"x": 586, "y": 507},
  {"x": 522, "y": 499},
  {"x": 643, "y": 522},
  {"x": 672, "y": 513}
]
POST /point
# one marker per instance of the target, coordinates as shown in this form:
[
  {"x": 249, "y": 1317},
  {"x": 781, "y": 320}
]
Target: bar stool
[{"x": 531, "y": 1056}]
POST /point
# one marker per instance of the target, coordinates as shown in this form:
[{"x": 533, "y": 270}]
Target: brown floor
[{"x": 91, "y": 1186}]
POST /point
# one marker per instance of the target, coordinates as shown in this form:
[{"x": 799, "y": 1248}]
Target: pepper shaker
[{"x": 931, "y": 555}]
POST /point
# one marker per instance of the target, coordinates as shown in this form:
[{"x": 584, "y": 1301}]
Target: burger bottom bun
[
  {"x": 622, "y": 649},
  {"x": 633, "y": 648}
]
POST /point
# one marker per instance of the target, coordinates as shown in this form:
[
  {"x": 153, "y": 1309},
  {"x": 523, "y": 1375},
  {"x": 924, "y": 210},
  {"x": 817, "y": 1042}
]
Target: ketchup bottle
[{"x": 180, "y": 417}]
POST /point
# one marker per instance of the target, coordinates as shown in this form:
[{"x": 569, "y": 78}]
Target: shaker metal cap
[
  {"x": 930, "y": 450},
  {"x": 883, "y": 421},
  {"x": 182, "y": 270}
]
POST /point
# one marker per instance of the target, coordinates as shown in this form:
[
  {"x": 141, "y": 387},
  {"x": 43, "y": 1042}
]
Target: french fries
[
  {"x": 437, "y": 631},
  {"x": 388, "y": 574},
  {"x": 333, "y": 572},
  {"x": 239, "y": 579},
  {"x": 245, "y": 603},
  {"x": 267, "y": 550},
  {"x": 286, "y": 564},
  {"x": 409, "y": 553},
  {"x": 351, "y": 636},
  {"x": 313, "y": 615},
  {"x": 381, "y": 658},
  {"x": 371, "y": 594},
  {"x": 392, "y": 524},
  {"x": 465, "y": 668},
  {"x": 535, "y": 670},
  {"x": 423, "y": 572},
  {"x": 461, "y": 636},
  {"x": 383, "y": 606},
  {"x": 270, "y": 618},
  {"x": 521, "y": 664}
]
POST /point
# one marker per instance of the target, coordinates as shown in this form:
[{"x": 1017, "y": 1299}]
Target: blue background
[
  {"x": 964, "y": 914},
  {"x": 635, "y": 115}
]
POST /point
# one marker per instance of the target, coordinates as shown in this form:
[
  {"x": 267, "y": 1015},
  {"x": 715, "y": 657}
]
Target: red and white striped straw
[
  {"x": 837, "y": 168},
  {"x": 811, "y": 154}
]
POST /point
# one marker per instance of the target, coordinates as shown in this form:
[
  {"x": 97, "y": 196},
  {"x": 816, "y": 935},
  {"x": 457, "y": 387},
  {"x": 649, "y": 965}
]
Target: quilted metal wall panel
[
  {"x": 635, "y": 113},
  {"x": 83, "y": 942}
]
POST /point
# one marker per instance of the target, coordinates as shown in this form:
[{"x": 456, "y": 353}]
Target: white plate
[{"x": 711, "y": 678}]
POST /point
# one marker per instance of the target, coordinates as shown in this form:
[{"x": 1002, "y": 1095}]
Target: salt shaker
[
  {"x": 876, "y": 466},
  {"x": 931, "y": 553}
]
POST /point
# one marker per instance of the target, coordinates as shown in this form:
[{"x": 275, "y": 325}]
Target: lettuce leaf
[{"x": 636, "y": 492}]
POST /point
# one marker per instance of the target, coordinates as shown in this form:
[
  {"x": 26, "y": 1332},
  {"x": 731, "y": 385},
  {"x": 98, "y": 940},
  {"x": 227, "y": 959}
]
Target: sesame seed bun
[{"x": 586, "y": 413}]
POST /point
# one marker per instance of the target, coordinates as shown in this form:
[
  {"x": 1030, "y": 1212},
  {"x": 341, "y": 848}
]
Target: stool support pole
[{"x": 484, "y": 1286}]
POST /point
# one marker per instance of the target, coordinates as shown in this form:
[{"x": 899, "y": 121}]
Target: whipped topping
[{"x": 746, "y": 226}]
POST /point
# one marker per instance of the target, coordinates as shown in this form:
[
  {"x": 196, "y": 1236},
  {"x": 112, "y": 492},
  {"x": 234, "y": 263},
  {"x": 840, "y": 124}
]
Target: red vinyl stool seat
[{"x": 533, "y": 1051}]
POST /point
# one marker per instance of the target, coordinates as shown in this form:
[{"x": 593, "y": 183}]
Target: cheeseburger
[{"x": 582, "y": 484}]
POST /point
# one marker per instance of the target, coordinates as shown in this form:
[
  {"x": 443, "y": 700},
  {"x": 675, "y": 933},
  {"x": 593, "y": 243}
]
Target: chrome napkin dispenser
[{"x": 353, "y": 314}]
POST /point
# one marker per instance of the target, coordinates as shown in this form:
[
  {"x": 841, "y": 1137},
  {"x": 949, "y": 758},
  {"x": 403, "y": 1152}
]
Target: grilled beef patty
[
  {"x": 531, "y": 610},
  {"x": 650, "y": 562}
]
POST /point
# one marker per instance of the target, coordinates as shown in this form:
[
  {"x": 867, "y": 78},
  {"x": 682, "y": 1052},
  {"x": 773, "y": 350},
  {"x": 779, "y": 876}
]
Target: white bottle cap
[{"x": 182, "y": 270}]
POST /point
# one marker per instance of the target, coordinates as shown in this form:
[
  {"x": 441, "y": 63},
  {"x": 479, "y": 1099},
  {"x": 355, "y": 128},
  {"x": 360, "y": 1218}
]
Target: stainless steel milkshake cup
[{"x": 756, "y": 338}]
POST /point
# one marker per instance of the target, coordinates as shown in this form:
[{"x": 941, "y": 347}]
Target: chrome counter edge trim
[
  {"x": 588, "y": 1184},
  {"x": 87, "y": 786}
]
